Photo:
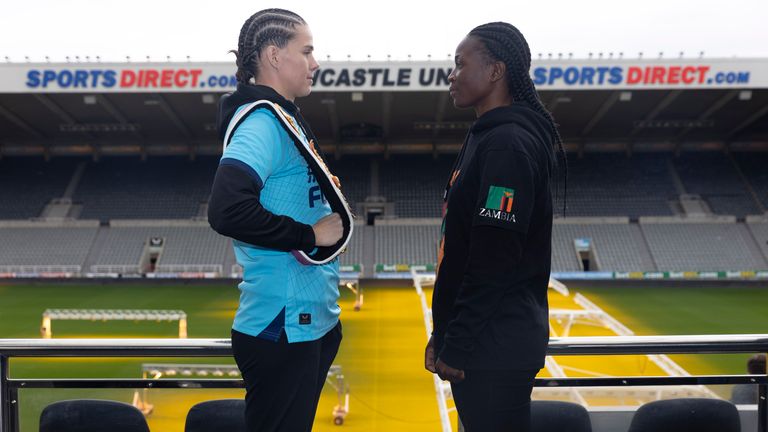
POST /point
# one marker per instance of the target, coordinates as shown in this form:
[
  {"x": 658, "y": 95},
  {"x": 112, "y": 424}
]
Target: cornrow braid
[
  {"x": 269, "y": 26},
  {"x": 505, "y": 43}
]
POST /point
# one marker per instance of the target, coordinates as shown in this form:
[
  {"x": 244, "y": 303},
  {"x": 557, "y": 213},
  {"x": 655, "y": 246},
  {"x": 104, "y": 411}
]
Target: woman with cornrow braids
[
  {"x": 489, "y": 306},
  {"x": 274, "y": 196}
]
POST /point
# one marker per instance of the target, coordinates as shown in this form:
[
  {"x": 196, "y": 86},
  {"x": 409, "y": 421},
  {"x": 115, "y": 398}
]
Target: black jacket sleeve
[
  {"x": 495, "y": 248},
  {"x": 235, "y": 211}
]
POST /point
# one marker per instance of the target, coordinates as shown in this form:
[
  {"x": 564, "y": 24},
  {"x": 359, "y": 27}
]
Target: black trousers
[
  {"x": 495, "y": 401},
  {"x": 283, "y": 381}
]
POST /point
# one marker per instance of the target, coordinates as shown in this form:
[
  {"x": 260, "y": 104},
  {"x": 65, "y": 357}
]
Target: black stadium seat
[
  {"x": 223, "y": 415},
  {"x": 88, "y": 415},
  {"x": 556, "y": 416},
  {"x": 687, "y": 414}
]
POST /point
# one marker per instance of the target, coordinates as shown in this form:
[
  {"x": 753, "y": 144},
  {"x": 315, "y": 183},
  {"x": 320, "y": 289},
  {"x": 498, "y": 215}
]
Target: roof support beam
[
  {"x": 13, "y": 118},
  {"x": 715, "y": 107}
]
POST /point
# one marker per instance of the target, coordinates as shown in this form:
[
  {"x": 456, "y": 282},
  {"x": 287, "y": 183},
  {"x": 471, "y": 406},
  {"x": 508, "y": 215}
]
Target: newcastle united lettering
[{"x": 381, "y": 77}]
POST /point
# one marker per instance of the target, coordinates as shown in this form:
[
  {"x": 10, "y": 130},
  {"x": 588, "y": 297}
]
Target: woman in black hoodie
[{"x": 490, "y": 311}]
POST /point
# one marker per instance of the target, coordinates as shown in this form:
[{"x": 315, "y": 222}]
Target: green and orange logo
[{"x": 500, "y": 198}]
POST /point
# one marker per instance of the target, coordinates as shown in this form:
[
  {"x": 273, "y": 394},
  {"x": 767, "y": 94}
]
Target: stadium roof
[{"x": 381, "y": 107}]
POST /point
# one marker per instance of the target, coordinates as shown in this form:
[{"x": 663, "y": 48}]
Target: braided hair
[
  {"x": 266, "y": 27},
  {"x": 503, "y": 42}
]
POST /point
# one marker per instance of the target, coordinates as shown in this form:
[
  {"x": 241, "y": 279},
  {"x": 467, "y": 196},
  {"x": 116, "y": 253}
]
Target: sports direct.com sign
[{"x": 382, "y": 76}]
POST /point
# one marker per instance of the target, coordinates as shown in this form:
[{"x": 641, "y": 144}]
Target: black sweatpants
[
  {"x": 283, "y": 381},
  {"x": 495, "y": 401}
]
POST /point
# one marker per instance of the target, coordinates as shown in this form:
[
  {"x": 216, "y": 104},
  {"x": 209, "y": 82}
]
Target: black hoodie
[
  {"x": 234, "y": 209},
  {"x": 489, "y": 305}
]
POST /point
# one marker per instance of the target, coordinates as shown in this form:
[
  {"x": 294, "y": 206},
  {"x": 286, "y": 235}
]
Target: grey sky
[{"x": 206, "y": 30}]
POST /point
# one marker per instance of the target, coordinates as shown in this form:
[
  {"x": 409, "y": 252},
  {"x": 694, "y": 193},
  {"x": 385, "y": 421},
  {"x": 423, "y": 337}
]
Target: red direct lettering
[
  {"x": 195, "y": 76},
  {"x": 674, "y": 75},
  {"x": 688, "y": 74},
  {"x": 702, "y": 73},
  {"x": 658, "y": 75},
  {"x": 634, "y": 75},
  {"x": 166, "y": 78},
  {"x": 151, "y": 78},
  {"x": 127, "y": 78},
  {"x": 178, "y": 81}
]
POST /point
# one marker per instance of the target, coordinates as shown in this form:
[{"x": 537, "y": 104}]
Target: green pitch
[{"x": 380, "y": 355}]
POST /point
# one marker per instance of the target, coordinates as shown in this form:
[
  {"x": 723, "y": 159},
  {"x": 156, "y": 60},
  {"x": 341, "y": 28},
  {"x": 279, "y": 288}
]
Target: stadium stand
[
  {"x": 713, "y": 176},
  {"x": 615, "y": 185},
  {"x": 759, "y": 231},
  {"x": 415, "y": 184},
  {"x": 407, "y": 244},
  {"x": 27, "y": 247},
  {"x": 158, "y": 188},
  {"x": 355, "y": 175},
  {"x": 755, "y": 169},
  {"x": 27, "y": 184},
  {"x": 192, "y": 249},
  {"x": 618, "y": 246},
  {"x": 355, "y": 249},
  {"x": 702, "y": 246},
  {"x": 186, "y": 248}
]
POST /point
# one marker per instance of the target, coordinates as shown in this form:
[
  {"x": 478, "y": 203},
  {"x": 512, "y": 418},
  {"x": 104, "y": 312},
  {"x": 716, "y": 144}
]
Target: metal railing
[{"x": 603, "y": 345}]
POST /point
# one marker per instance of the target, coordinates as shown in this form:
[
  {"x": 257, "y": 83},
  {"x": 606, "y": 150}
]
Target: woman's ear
[
  {"x": 498, "y": 71},
  {"x": 271, "y": 56}
]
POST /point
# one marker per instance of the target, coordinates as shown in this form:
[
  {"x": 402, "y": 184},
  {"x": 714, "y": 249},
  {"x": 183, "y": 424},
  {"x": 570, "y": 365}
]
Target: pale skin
[
  {"x": 289, "y": 70},
  {"x": 481, "y": 85}
]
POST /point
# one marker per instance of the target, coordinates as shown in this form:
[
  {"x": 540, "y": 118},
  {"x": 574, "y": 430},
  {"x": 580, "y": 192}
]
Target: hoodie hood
[
  {"x": 521, "y": 115},
  {"x": 230, "y": 102}
]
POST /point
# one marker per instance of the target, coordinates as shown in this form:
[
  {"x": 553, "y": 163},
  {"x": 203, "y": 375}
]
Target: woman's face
[
  {"x": 470, "y": 81},
  {"x": 297, "y": 64}
]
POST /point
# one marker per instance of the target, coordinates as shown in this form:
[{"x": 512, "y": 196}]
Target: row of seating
[
  {"x": 620, "y": 247},
  {"x": 673, "y": 415},
  {"x": 173, "y": 187}
]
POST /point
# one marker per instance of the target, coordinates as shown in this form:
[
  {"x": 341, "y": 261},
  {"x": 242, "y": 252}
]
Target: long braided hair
[
  {"x": 504, "y": 42},
  {"x": 266, "y": 27}
]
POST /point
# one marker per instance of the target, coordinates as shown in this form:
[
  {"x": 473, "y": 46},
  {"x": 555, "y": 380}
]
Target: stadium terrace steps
[
  {"x": 618, "y": 246},
  {"x": 415, "y": 184},
  {"x": 615, "y": 185},
  {"x": 45, "y": 246},
  {"x": 714, "y": 177},
  {"x": 28, "y": 184},
  {"x": 158, "y": 188},
  {"x": 703, "y": 246},
  {"x": 759, "y": 232},
  {"x": 755, "y": 169}
]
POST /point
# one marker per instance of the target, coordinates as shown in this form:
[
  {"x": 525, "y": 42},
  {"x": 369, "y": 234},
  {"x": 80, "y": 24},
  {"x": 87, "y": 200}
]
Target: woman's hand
[
  {"x": 328, "y": 230},
  {"x": 448, "y": 373},
  {"x": 429, "y": 356}
]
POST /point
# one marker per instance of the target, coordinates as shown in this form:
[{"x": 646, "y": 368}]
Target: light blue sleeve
[{"x": 257, "y": 144}]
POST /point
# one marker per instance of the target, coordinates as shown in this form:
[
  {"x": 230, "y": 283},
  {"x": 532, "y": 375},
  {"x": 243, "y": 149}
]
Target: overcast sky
[{"x": 205, "y": 31}]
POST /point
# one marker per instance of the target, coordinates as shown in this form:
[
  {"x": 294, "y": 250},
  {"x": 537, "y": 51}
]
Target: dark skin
[{"x": 479, "y": 83}]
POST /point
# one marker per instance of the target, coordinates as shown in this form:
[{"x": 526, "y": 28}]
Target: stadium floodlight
[{"x": 112, "y": 315}]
